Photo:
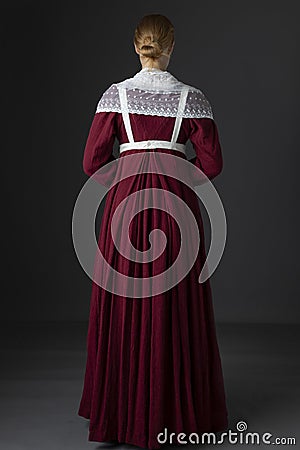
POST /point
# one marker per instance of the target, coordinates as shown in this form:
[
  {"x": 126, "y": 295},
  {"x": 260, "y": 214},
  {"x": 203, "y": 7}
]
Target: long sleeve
[
  {"x": 205, "y": 139},
  {"x": 99, "y": 145}
]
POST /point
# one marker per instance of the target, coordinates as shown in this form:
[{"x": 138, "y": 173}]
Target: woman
[{"x": 153, "y": 361}]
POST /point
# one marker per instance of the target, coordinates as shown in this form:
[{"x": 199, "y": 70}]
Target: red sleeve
[
  {"x": 205, "y": 139},
  {"x": 99, "y": 145}
]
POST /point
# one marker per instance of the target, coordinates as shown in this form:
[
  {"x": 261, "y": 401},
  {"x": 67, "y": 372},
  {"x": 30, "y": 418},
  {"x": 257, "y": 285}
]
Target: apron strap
[
  {"x": 181, "y": 106},
  {"x": 178, "y": 120},
  {"x": 125, "y": 114}
]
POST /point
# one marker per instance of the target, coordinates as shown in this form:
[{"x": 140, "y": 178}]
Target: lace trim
[{"x": 156, "y": 93}]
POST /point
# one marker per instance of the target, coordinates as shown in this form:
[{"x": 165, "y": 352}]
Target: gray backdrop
[{"x": 59, "y": 58}]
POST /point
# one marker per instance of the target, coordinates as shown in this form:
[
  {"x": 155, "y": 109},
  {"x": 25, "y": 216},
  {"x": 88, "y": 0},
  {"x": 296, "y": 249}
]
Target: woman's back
[{"x": 153, "y": 364}]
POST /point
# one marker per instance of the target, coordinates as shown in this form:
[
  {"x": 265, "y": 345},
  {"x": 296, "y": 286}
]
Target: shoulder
[
  {"x": 109, "y": 100},
  {"x": 197, "y": 103}
]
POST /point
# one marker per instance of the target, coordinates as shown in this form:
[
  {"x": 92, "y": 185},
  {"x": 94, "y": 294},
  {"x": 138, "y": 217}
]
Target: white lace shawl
[{"x": 155, "y": 92}]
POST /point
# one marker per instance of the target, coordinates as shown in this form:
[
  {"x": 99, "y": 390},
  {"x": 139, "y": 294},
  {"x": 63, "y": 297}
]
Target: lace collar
[{"x": 152, "y": 91}]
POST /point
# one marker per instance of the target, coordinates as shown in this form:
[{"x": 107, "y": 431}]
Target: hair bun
[
  {"x": 148, "y": 40},
  {"x": 150, "y": 48}
]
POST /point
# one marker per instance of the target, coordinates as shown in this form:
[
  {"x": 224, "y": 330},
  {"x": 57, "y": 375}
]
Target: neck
[
  {"x": 153, "y": 68},
  {"x": 160, "y": 63}
]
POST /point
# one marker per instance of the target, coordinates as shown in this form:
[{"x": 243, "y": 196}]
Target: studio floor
[{"x": 42, "y": 370}]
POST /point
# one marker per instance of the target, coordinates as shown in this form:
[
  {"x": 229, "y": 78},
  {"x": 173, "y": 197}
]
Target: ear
[
  {"x": 136, "y": 49},
  {"x": 172, "y": 47}
]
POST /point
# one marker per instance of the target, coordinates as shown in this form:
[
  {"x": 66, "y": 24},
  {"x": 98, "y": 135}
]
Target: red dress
[{"x": 152, "y": 363}]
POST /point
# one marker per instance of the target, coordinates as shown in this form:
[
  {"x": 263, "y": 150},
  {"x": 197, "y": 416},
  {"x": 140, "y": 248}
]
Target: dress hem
[{"x": 97, "y": 436}]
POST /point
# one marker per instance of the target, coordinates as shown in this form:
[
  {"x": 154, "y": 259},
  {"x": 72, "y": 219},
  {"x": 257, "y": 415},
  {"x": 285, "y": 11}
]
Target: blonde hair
[{"x": 153, "y": 35}]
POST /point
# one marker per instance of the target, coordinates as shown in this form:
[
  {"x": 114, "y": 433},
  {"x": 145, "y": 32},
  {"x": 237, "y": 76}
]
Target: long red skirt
[{"x": 153, "y": 363}]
